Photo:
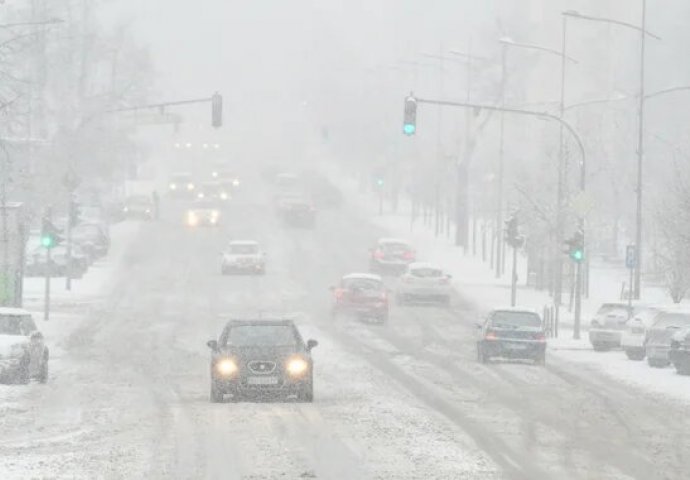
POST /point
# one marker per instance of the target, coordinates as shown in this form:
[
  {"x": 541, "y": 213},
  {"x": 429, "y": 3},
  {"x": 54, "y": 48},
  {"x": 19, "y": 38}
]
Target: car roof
[
  {"x": 393, "y": 240},
  {"x": 244, "y": 242},
  {"x": 515, "y": 310},
  {"x": 260, "y": 321},
  {"x": 13, "y": 311},
  {"x": 362, "y": 276}
]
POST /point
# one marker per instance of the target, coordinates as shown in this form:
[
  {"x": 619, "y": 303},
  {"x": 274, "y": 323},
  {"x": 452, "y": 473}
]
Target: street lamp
[
  {"x": 558, "y": 263},
  {"x": 640, "y": 133}
]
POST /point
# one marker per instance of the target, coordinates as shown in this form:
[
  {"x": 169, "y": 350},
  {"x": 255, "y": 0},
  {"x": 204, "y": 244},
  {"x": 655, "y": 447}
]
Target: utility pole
[
  {"x": 499, "y": 180},
  {"x": 47, "y": 219}
]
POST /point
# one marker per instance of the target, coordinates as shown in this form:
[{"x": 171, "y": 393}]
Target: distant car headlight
[
  {"x": 223, "y": 196},
  {"x": 236, "y": 182},
  {"x": 192, "y": 219},
  {"x": 297, "y": 366},
  {"x": 190, "y": 186},
  {"x": 125, "y": 209},
  {"x": 200, "y": 195},
  {"x": 173, "y": 186},
  {"x": 226, "y": 367},
  {"x": 215, "y": 174}
]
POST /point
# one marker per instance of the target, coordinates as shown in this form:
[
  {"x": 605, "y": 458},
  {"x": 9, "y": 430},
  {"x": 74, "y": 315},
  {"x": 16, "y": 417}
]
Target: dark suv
[
  {"x": 512, "y": 333},
  {"x": 261, "y": 359}
]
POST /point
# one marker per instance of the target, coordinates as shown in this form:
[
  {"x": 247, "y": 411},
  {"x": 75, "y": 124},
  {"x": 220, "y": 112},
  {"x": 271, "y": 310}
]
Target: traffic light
[
  {"x": 217, "y": 110},
  {"x": 575, "y": 246},
  {"x": 512, "y": 233},
  {"x": 50, "y": 234},
  {"x": 410, "y": 117},
  {"x": 380, "y": 182}
]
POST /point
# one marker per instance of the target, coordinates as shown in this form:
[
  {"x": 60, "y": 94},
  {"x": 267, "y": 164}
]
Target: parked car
[
  {"x": 261, "y": 358},
  {"x": 243, "y": 256},
  {"x": 363, "y": 295},
  {"x": 424, "y": 282},
  {"x": 23, "y": 353},
  {"x": 608, "y": 323},
  {"x": 514, "y": 333},
  {"x": 391, "y": 255},
  {"x": 635, "y": 332},
  {"x": 680, "y": 351},
  {"x": 660, "y": 335}
]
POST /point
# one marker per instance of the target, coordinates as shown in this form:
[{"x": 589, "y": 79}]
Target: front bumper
[
  {"x": 603, "y": 336},
  {"x": 632, "y": 340},
  {"x": 513, "y": 348},
  {"x": 280, "y": 384},
  {"x": 251, "y": 267}
]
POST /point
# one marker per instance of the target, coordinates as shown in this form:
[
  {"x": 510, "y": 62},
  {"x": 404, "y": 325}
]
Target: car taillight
[
  {"x": 490, "y": 336},
  {"x": 378, "y": 254},
  {"x": 339, "y": 293}
]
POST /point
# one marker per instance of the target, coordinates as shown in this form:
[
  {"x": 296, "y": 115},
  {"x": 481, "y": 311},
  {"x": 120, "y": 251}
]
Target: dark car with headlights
[
  {"x": 261, "y": 359},
  {"x": 138, "y": 207},
  {"x": 23, "y": 354},
  {"x": 679, "y": 354},
  {"x": 660, "y": 335},
  {"x": 512, "y": 333}
]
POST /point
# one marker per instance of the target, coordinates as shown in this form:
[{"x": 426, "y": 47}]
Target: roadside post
[{"x": 631, "y": 265}]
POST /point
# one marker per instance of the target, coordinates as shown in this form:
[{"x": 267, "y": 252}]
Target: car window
[
  {"x": 608, "y": 307},
  {"x": 507, "y": 319},
  {"x": 244, "y": 249},
  {"x": 10, "y": 325},
  {"x": 672, "y": 320},
  {"x": 395, "y": 247},
  {"x": 261, "y": 336},
  {"x": 427, "y": 272},
  {"x": 361, "y": 284}
]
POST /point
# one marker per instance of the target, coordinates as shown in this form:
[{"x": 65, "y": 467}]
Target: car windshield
[
  {"x": 10, "y": 325},
  {"x": 362, "y": 284},
  {"x": 666, "y": 320},
  {"x": 395, "y": 247},
  {"x": 261, "y": 336},
  {"x": 609, "y": 307},
  {"x": 244, "y": 249},
  {"x": 427, "y": 272},
  {"x": 508, "y": 319}
]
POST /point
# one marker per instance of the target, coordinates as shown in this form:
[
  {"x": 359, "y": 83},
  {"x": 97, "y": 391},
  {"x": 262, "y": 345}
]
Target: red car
[
  {"x": 391, "y": 255},
  {"x": 363, "y": 295}
]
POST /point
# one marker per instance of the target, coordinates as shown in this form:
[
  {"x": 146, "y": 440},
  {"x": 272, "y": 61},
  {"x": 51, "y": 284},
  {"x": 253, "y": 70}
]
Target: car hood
[
  {"x": 9, "y": 341},
  {"x": 260, "y": 353}
]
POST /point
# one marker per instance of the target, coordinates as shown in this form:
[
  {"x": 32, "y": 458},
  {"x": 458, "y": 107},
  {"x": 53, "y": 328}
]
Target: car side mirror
[
  {"x": 311, "y": 344},
  {"x": 212, "y": 344}
]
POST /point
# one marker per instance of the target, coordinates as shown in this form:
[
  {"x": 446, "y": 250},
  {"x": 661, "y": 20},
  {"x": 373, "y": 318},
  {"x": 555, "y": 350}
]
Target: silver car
[
  {"x": 424, "y": 282},
  {"x": 635, "y": 332},
  {"x": 23, "y": 354},
  {"x": 659, "y": 337},
  {"x": 606, "y": 326},
  {"x": 243, "y": 256}
]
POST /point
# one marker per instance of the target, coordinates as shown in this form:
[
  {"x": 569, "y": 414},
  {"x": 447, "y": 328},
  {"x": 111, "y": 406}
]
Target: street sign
[{"x": 631, "y": 257}]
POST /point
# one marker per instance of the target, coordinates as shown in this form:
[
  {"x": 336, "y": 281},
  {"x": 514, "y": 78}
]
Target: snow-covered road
[{"x": 128, "y": 395}]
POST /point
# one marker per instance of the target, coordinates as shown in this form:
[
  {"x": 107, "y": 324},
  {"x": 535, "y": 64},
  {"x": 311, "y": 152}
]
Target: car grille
[
  {"x": 516, "y": 334},
  {"x": 261, "y": 367}
]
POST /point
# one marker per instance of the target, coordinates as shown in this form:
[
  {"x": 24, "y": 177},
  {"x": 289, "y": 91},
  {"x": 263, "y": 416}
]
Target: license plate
[
  {"x": 516, "y": 346},
  {"x": 262, "y": 380}
]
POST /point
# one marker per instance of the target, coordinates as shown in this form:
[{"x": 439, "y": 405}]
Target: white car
[
  {"x": 243, "y": 256},
  {"x": 608, "y": 323},
  {"x": 424, "y": 282},
  {"x": 23, "y": 355},
  {"x": 635, "y": 333}
]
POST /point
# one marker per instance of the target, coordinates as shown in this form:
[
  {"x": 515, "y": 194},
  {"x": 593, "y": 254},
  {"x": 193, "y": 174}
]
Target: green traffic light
[
  {"x": 379, "y": 182},
  {"x": 577, "y": 255},
  {"x": 409, "y": 129},
  {"x": 47, "y": 241}
]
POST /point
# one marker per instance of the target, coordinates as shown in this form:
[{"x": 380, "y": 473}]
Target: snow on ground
[{"x": 477, "y": 283}]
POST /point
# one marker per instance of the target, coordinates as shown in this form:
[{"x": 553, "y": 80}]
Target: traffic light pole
[
  {"x": 513, "y": 286},
  {"x": 68, "y": 274}
]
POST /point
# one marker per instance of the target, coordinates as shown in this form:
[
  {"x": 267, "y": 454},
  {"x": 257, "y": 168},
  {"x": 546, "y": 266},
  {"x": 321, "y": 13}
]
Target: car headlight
[
  {"x": 125, "y": 209},
  {"x": 224, "y": 196},
  {"x": 297, "y": 366},
  {"x": 226, "y": 367},
  {"x": 173, "y": 186},
  {"x": 215, "y": 174},
  {"x": 236, "y": 182},
  {"x": 215, "y": 213},
  {"x": 190, "y": 186},
  {"x": 192, "y": 220}
]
